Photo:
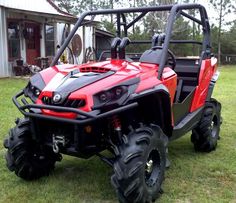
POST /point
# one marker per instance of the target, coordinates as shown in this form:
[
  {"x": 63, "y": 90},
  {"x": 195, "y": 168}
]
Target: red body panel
[
  {"x": 148, "y": 74},
  {"x": 124, "y": 71},
  {"x": 206, "y": 72}
]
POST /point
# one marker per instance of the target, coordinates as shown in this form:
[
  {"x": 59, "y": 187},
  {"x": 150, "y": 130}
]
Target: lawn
[{"x": 193, "y": 177}]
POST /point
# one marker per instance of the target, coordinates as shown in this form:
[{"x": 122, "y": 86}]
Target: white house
[{"x": 32, "y": 30}]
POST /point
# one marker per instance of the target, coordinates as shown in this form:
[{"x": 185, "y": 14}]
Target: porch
[{"x": 29, "y": 35}]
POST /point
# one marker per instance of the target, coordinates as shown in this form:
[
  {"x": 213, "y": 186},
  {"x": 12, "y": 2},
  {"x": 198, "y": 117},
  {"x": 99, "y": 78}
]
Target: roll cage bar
[{"x": 175, "y": 11}]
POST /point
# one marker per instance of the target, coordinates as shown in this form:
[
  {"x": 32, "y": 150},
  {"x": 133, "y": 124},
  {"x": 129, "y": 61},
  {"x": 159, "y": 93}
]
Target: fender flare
[
  {"x": 165, "y": 111},
  {"x": 156, "y": 89}
]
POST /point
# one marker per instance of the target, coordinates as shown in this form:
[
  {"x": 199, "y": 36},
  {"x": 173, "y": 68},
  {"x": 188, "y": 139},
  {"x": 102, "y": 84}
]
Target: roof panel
[{"x": 40, "y": 6}]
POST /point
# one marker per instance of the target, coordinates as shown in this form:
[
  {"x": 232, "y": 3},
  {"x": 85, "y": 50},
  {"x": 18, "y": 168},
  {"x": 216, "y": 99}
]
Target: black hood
[{"x": 76, "y": 80}]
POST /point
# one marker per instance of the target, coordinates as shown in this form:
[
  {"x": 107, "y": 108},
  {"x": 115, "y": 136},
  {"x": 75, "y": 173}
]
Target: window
[
  {"x": 31, "y": 42},
  {"x": 49, "y": 40},
  {"x": 13, "y": 32}
]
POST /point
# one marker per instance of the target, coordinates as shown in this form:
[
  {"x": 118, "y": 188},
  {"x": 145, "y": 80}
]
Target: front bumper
[{"x": 82, "y": 117}]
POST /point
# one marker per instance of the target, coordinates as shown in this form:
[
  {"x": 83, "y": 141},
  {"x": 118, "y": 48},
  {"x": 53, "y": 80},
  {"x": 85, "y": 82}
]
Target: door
[{"x": 32, "y": 39}]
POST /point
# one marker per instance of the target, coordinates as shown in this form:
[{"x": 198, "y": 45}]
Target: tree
[
  {"x": 223, "y": 8},
  {"x": 228, "y": 45},
  {"x": 214, "y": 36},
  {"x": 68, "y": 6},
  {"x": 76, "y": 7},
  {"x": 182, "y": 31}
]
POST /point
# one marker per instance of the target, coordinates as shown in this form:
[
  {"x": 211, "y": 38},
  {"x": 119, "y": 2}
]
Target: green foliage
[
  {"x": 78, "y": 6},
  {"x": 138, "y": 35},
  {"x": 229, "y": 41},
  {"x": 227, "y": 6},
  {"x": 182, "y": 31},
  {"x": 156, "y": 22},
  {"x": 223, "y": 8},
  {"x": 223, "y": 41},
  {"x": 214, "y": 41},
  {"x": 68, "y": 6},
  {"x": 107, "y": 25}
]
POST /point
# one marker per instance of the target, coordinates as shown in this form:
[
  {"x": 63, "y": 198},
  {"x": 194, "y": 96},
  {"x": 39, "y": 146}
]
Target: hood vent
[{"x": 94, "y": 69}]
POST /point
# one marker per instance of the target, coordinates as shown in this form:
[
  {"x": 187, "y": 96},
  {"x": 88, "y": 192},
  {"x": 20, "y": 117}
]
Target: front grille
[{"x": 74, "y": 103}]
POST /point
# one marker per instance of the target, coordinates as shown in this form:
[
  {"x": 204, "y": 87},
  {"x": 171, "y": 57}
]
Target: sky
[{"x": 212, "y": 14}]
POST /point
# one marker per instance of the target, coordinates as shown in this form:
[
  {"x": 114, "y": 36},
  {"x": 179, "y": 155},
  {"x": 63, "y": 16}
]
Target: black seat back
[
  {"x": 153, "y": 55},
  {"x": 187, "y": 70}
]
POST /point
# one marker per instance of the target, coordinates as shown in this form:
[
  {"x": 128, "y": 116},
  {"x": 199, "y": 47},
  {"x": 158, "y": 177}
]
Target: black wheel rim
[
  {"x": 214, "y": 126},
  {"x": 152, "y": 168}
]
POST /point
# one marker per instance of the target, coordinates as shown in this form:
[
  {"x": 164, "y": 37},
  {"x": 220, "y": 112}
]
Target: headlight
[
  {"x": 32, "y": 92},
  {"x": 116, "y": 95},
  {"x": 35, "y": 90},
  {"x": 34, "y": 87}
]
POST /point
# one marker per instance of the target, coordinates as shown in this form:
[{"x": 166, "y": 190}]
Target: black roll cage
[{"x": 175, "y": 11}]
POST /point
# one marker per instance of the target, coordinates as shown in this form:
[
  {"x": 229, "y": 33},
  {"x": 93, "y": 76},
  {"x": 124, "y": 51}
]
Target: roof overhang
[
  {"x": 44, "y": 8},
  {"x": 56, "y": 17},
  {"x": 103, "y": 33}
]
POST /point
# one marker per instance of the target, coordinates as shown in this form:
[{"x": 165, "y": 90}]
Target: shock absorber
[{"x": 117, "y": 126}]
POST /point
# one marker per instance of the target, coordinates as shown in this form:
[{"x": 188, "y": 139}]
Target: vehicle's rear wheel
[
  {"x": 139, "y": 169},
  {"x": 206, "y": 134},
  {"x": 27, "y": 158}
]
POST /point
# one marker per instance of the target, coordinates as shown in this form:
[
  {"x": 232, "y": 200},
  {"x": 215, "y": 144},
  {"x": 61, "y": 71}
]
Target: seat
[
  {"x": 153, "y": 55},
  {"x": 187, "y": 70}
]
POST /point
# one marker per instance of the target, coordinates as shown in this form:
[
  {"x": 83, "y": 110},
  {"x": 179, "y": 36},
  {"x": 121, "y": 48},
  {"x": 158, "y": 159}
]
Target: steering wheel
[{"x": 171, "y": 57}]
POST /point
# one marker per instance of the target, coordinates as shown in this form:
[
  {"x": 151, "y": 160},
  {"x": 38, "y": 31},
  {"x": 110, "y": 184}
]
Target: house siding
[
  {"x": 24, "y": 12},
  {"x": 4, "y": 66},
  {"x": 40, "y": 12}
]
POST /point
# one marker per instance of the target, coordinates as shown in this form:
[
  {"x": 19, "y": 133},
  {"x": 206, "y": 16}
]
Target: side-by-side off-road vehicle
[{"x": 129, "y": 105}]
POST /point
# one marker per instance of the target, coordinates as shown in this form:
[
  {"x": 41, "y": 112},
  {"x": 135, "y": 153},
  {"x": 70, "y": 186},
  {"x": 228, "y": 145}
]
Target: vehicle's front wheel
[
  {"x": 206, "y": 134},
  {"x": 139, "y": 169},
  {"x": 27, "y": 158}
]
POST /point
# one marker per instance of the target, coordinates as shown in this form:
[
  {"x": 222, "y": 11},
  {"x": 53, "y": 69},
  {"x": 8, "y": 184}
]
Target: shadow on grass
[{"x": 90, "y": 176}]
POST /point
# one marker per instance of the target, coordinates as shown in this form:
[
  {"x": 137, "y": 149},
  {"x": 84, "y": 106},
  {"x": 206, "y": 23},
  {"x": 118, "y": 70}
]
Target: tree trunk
[
  {"x": 133, "y": 19},
  {"x": 219, "y": 33},
  {"x": 111, "y": 3},
  {"x": 194, "y": 33}
]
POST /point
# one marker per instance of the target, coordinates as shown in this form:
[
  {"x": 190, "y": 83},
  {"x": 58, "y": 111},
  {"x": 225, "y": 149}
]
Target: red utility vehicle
[{"x": 130, "y": 105}]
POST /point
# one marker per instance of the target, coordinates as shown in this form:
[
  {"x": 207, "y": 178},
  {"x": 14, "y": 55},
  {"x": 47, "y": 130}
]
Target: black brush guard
[{"x": 83, "y": 117}]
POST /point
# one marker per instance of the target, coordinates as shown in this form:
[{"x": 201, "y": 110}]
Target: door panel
[{"x": 32, "y": 42}]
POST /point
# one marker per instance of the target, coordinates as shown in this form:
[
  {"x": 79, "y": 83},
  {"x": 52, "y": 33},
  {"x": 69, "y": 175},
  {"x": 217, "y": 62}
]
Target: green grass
[{"x": 193, "y": 177}]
